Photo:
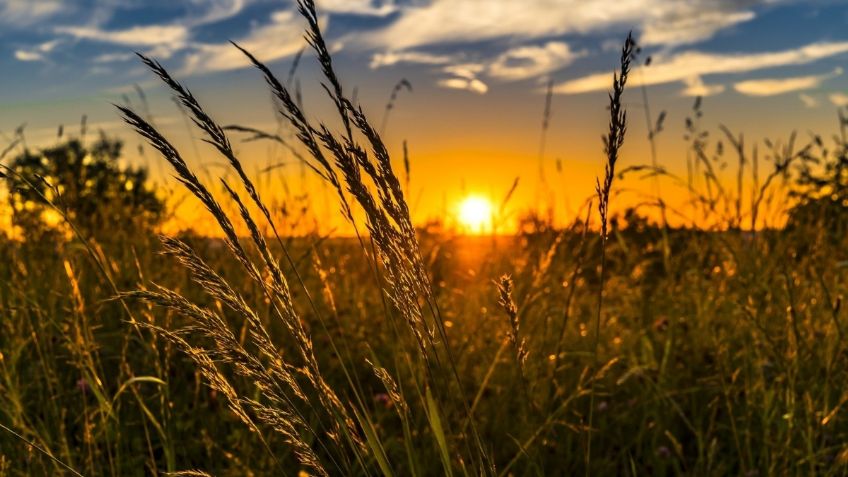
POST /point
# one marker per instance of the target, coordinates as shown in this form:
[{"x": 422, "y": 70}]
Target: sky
[{"x": 479, "y": 71}]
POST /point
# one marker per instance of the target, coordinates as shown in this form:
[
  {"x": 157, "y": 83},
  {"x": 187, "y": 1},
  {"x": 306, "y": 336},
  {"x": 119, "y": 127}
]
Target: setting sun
[
  {"x": 451, "y": 222},
  {"x": 475, "y": 214}
]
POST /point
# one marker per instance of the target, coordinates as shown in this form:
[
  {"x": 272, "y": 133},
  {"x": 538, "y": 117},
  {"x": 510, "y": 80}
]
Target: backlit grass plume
[
  {"x": 612, "y": 144},
  {"x": 357, "y": 165}
]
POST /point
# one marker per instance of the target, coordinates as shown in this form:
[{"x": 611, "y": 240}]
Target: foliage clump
[{"x": 85, "y": 183}]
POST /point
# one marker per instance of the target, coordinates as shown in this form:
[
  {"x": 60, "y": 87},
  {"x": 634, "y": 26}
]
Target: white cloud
[
  {"x": 22, "y": 13},
  {"x": 695, "y": 87},
  {"x": 464, "y": 76},
  {"x": 49, "y": 46},
  {"x": 839, "y": 99},
  {"x": 440, "y": 22},
  {"x": 282, "y": 37},
  {"x": 38, "y": 53},
  {"x": 457, "y": 21},
  {"x": 356, "y": 7},
  {"x": 517, "y": 63},
  {"x": 23, "y": 55},
  {"x": 112, "y": 57},
  {"x": 808, "y": 100},
  {"x": 774, "y": 86},
  {"x": 214, "y": 11},
  {"x": 469, "y": 84},
  {"x": 690, "y": 64},
  {"x": 164, "y": 39},
  {"x": 150, "y": 35},
  {"x": 688, "y": 27},
  {"x": 390, "y": 58},
  {"x": 530, "y": 61},
  {"x": 465, "y": 70}
]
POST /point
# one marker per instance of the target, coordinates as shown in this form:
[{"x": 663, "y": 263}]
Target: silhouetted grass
[{"x": 642, "y": 349}]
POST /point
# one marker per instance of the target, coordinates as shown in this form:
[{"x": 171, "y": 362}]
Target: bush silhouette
[
  {"x": 88, "y": 183},
  {"x": 822, "y": 187}
]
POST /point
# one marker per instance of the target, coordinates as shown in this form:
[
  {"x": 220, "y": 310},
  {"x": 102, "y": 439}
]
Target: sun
[{"x": 475, "y": 214}]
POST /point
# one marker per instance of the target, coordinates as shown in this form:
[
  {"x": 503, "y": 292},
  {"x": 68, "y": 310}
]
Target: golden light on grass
[{"x": 475, "y": 214}]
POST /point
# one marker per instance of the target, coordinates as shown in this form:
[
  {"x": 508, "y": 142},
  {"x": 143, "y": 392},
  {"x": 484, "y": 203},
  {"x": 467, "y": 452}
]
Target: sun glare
[{"x": 475, "y": 214}]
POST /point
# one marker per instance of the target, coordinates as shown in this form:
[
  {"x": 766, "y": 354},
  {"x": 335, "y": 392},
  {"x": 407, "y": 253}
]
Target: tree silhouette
[
  {"x": 89, "y": 185},
  {"x": 822, "y": 185}
]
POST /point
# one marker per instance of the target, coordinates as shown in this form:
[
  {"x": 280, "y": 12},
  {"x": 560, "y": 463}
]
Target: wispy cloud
[
  {"x": 809, "y": 101},
  {"x": 456, "y": 21},
  {"x": 151, "y": 35},
  {"x": 357, "y": 7},
  {"x": 24, "y": 55},
  {"x": 23, "y": 13},
  {"x": 38, "y": 52},
  {"x": 113, "y": 57},
  {"x": 695, "y": 86},
  {"x": 465, "y": 70},
  {"x": 839, "y": 99},
  {"x": 279, "y": 38},
  {"x": 689, "y": 24},
  {"x": 684, "y": 66},
  {"x": 213, "y": 11},
  {"x": 464, "y": 76},
  {"x": 421, "y": 25},
  {"x": 517, "y": 63},
  {"x": 470, "y": 84},
  {"x": 774, "y": 86},
  {"x": 163, "y": 40},
  {"x": 531, "y": 61},
  {"x": 390, "y": 58}
]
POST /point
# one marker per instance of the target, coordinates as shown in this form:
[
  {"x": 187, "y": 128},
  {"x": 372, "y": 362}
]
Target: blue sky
[
  {"x": 478, "y": 67},
  {"x": 466, "y": 44},
  {"x": 703, "y": 46}
]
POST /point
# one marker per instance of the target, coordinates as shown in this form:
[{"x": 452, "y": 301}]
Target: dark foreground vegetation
[{"x": 614, "y": 346}]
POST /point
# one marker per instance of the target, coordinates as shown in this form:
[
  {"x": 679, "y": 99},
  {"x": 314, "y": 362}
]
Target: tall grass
[
  {"x": 612, "y": 146},
  {"x": 642, "y": 349}
]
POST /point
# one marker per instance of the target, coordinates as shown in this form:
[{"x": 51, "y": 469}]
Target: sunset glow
[
  {"x": 531, "y": 236},
  {"x": 453, "y": 68},
  {"x": 475, "y": 214}
]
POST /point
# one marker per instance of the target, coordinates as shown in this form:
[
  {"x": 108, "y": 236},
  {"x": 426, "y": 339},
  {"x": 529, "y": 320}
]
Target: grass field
[{"x": 617, "y": 345}]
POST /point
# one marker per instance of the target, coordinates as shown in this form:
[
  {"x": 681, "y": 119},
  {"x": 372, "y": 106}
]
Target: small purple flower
[
  {"x": 663, "y": 452},
  {"x": 603, "y": 406},
  {"x": 82, "y": 385},
  {"x": 383, "y": 399}
]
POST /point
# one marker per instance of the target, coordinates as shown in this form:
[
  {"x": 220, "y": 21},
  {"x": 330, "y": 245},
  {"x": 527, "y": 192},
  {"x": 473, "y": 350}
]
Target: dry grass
[{"x": 641, "y": 349}]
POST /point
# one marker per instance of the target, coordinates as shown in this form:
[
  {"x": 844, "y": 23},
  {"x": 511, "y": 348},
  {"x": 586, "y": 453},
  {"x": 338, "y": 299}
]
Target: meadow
[{"x": 617, "y": 345}]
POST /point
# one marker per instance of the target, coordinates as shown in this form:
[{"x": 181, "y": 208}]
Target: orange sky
[{"x": 473, "y": 119}]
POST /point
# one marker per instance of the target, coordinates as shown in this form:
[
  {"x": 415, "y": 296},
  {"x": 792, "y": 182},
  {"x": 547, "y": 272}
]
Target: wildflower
[{"x": 384, "y": 399}]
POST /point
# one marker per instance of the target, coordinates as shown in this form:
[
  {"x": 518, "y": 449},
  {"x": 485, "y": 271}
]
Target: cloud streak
[
  {"x": 684, "y": 66},
  {"x": 38, "y": 53},
  {"x": 774, "y": 86},
  {"x": 532, "y": 61},
  {"x": 469, "y": 84},
  {"x": 151, "y": 35},
  {"x": 357, "y": 7},
  {"x": 215, "y": 11},
  {"x": 391, "y": 58},
  {"x": 809, "y": 101},
  {"x": 838, "y": 99},
  {"x": 23, "y": 13},
  {"x": 279, "y": 38},
  {"x": 462, "y": 21}
]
